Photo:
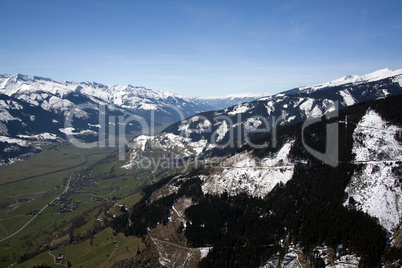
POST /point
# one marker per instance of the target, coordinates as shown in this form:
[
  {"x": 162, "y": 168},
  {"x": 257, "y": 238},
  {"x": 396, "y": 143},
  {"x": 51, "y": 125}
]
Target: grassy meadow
[{"x": 28, "y": 186}]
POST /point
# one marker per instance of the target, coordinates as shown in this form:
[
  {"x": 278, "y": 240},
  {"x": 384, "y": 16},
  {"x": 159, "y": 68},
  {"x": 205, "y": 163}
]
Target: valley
[
  {"x": 235, "y": 187},
  {"x": 43, "y": 195},
  {"x": 200, "y": 134}
]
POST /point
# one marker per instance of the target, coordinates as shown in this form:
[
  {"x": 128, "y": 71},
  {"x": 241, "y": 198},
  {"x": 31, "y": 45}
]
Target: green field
[
  {"x": 28, "y": 186},
  {"x": 105, "y": 251}
]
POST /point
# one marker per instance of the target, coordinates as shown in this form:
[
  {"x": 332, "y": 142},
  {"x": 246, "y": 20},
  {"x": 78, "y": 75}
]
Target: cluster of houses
[
  {"x": 65, "y": 204},
  {"x": 78, "y": 181},
  {"x": 81, "y": 180}
]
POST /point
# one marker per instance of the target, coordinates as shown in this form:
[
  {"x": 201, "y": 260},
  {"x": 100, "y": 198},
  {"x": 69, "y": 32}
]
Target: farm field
[
  {"x": 105, "y": 251},
  {"x": 33, "y": 218}
]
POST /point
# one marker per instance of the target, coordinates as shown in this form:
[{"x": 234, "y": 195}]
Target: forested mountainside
[{"x": 346, "y": 215}]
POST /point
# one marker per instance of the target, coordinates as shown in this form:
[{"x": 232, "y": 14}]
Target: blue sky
[{"x": 200, "y": 47}]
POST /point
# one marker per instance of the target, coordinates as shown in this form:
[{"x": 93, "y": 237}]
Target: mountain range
[
  {"x": 307, "y": 177},
  {"x": 278, "y": 206},
  {"x": 33, "y": 111},
  {"x": 253, "y": 164},
  {"x": 231, "y": 127}
]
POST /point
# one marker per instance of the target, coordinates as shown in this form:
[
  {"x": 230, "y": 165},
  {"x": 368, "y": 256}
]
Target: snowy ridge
[
  {"x": 355, "y": 79},
  {"x": 243, "y": 173},
  {"x": 120, "y": 95},
  {"x": 376, "y": 188},
  {"x": 35, "y": 89}
]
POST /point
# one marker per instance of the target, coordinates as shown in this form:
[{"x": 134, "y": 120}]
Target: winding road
[
  {"x": 84, "y": 161},
  {"x": 40, "y": 211}
]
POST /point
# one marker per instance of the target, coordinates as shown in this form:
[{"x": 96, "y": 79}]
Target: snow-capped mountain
[
  {"x": 236, "y": 125},
  {"x": 37, "y": 107},
  {"x": 353, "y": 80},
  {"x": 51, "y": 95},
  {"x": 374, "y": 188},
  {"x": 32, "y": 107},
  {"x": 281, "y": 204}
]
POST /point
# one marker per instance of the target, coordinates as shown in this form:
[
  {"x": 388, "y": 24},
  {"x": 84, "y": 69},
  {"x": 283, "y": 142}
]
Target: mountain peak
[{"x": 356, "y": 79}]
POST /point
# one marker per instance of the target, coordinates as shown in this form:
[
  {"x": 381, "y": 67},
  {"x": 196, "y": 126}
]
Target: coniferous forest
[{"x": 308, "y": 210}]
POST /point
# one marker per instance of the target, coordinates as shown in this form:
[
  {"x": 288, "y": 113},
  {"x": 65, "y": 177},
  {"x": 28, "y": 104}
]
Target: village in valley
[{"x": 78, "y": 181}]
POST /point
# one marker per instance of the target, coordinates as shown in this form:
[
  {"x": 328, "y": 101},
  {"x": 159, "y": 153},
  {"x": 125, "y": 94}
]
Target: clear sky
[{"x": 200, "y": 47}]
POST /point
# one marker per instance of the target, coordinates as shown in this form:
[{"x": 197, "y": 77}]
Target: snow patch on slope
[
  {"x": 70, "y": 131},
  {"x": 222, "y": 130},
  {"x": 13, "y": 140},
  {"x": 374, "y": 139},
  {"x": 252, "y": 123},
  {"x": 398, "y": 80},
  {"x": 375, "y": 189},
  {"x": 306, "y": 106},
  {"x": 239, "y": 109},
  {"x": 141, "y": 142},
  {"x": 41, "y": 136},
  {"x": 243, "y": 173},
  {"x": 5, "y": 116},
  {"x": 347, "y": 98},
  {"x": 56, "y": 103},
  {"x": 169, "y": 144}
]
